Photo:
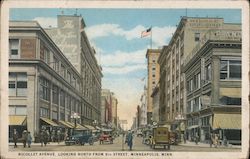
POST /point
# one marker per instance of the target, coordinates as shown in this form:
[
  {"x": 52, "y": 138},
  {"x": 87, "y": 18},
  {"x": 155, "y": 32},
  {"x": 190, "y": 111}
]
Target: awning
[
  {"x": 80, "y": 127},
  {"x": 230, "y": 92},
  {"x": 71, "y": 124},
  {"x": 66, "y": 124},
  {"x": 17, "y": 120},
  {"x": 193, "y": 126},
  {"x": 48, "y": 121},
  {"x": 98, "y": 128},
  {"x": 227, "y": 121},
  {"x": 89, "y": 127}
]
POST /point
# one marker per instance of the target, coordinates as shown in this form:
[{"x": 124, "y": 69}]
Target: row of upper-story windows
[{"x": 48, "y": 57}]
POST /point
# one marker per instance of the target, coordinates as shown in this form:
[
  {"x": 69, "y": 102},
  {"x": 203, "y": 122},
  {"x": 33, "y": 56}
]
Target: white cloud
[
  {"x": 160, "y": 35},
  {"x": 103, "y": 30},
  {"x": 46, "y": 22},
  {"x": 120, "y": 58},
  {"x": 124, "y": 69}
]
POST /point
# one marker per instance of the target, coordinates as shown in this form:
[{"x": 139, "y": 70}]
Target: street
[{"x": 118, "y": 146}]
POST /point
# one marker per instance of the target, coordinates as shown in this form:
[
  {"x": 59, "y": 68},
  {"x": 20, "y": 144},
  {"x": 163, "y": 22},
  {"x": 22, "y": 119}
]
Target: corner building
[
  {"x": 44, "y": 87},
  {"x": 173, "y": 102},
  {"x": 213, "y": 79}
]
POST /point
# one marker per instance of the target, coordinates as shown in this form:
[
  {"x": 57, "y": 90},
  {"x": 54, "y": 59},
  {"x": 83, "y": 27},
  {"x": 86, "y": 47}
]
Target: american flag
[{"x": 146, "y": 32}]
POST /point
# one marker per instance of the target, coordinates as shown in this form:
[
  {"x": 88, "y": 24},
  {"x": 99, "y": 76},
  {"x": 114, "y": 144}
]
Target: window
[
  {"x": 54, "y": 115},
  {"x": 14, "y": 51},
  {"x": 55, "y": 94},
  {"x": 62, "y": 99},
  {"x": 230, "y": 69},
  {"x": 196, "y": 36},
  {"x": 55, "y": 64},
  {"x": 190, "y": 85},
  {"x": 17, "y": 84},
  {"x": 44, "y": 112},
  {"x": 153, "y": 68},
  {"x": 69, "y": 76},
  {"x": 208, "y": 72},
  {"x": 17, "y": 110},
  {"x": 153, "y": 75},
  {"x": 44, "y": 89}
]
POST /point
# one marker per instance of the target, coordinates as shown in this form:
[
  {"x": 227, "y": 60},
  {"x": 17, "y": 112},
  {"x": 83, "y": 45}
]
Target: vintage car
[
  {"x": 106, "y": 136},
  {"x": 80, "y": 137},
  {"x": 161, "y": 137}
]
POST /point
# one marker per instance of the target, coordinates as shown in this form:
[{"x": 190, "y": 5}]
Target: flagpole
[{"x": 151, "y": 41}]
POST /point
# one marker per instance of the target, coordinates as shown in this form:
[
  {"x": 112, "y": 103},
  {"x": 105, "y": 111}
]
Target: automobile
[
  {"x": 161, "y": 137},
  {"x": 80, "y": 137},
  {"x": 139, "y": 133},
  {"x": 106, "y": 136}
]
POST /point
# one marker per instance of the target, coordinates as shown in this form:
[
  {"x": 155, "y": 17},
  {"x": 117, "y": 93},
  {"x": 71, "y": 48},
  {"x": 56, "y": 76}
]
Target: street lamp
[{"x": 75, "y": 116}]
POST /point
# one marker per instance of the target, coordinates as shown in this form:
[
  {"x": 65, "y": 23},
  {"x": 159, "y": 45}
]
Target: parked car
[
  {"x": 80, "y": 137},
  {"x": 106, "y": 136}
]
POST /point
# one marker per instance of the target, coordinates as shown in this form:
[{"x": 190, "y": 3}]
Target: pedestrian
[
  {"x": 29, "y": 139},
  {"x": 225, "y": 141},
  {"x": 42, "y": 137},
  {"x": 216, "y": 139},
  {"x": 196, "y": 138},
  {"x": 24, "y": 138},
  {"x": 211, "y": 141},
  {"x": 130, "y": 140},
  {"x": 53, "y": 134},
  {"x": 49, "y": 137},
  {"x": 45, "y": 138},
  {"x": 15, "y": 138},
  {"x": 58, "y": 136},
  {"x": 65, "y": 135}
]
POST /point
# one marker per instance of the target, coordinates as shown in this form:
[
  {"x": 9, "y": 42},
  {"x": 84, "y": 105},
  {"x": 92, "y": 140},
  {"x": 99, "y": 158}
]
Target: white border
[{"x": 129, "y": 4}]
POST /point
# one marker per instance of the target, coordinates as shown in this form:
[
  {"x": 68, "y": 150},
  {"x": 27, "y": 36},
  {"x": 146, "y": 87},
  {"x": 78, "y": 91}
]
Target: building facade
[
  {"x": 42, "y": 93},
  {"x": 187, "y": 36},
  {"x": 153, "y": 78},
  {"x": 143, "y": 108},
  {"x": 213, "y": 79},
  {"x": 156, "y": 100},
  {"x": 71, "y": 38}
]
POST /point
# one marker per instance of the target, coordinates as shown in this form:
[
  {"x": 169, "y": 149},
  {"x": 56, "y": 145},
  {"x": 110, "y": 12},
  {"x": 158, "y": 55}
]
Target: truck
[{"x": 161, "y": 137}]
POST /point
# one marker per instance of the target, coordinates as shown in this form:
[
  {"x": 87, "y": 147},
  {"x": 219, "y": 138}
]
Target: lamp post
[{"x": 75, "y": 116}]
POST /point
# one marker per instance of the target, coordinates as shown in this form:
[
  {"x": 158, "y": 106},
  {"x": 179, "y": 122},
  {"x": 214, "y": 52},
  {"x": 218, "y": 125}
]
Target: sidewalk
[
  {"x": 188, "y": 143},
  {"x": 39, "y": 144}
]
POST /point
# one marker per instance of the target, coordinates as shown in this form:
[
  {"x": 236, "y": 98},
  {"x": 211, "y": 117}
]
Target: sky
[{"x": 116, "y": 36}]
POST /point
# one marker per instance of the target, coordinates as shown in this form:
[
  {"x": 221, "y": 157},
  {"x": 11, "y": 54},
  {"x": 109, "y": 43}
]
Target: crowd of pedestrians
[{"x": 44, "y": 137}]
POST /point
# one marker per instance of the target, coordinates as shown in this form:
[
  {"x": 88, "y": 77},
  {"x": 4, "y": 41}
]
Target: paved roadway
[{"x": 119, "y": 146}]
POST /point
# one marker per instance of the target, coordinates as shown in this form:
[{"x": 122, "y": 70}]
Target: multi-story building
[
  {"x": 71, "y": 38},
  {"x": 109, "y": 109},
  {"x": 153, "y": 78},
  {"x": 143, "y": 108},
  {"x": 172, "y": 83},
  {"x": 114, "y": 111},
  {"x": 213, "y": 79},
  {"x": 45, "y": 89},
  {"x": 156, "y": 100}
]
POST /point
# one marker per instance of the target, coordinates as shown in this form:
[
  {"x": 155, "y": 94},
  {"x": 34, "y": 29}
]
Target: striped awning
[
  {"x": 48, "y": 121},
  {"x": 80, "y": 127},
  {"x": 66, "y": 124},
  {"x": 17, "y": 120},
  {"x": 227, "y": 121}
]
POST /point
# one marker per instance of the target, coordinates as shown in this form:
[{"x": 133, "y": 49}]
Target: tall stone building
[
  {"x": 153, "y": 78},
  {"x": 42, "y": 93},
  {"x": 172, "y": 83},
  {"x": 213, "y": 79},
  {"x": 143, "y": 108},
  {"x": 71, "y": 38}
]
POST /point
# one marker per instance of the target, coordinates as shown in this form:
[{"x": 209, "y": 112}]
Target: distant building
[
  {"x": 153, "y": 78},
  {"x": 72, "y": 40},
  {"x": 213, "y": 80},
  {"x": 143, "y": 108}
]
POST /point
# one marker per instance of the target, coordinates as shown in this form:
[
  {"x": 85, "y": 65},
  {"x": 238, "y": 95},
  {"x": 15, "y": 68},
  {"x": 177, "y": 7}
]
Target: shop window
[{"x": 17, "y": 110}]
